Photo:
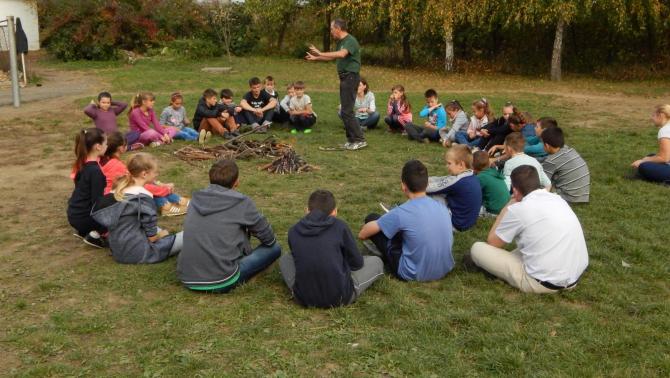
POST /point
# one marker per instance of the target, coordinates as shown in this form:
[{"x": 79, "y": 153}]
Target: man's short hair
[
  {"x": 322, "y": 200},
  {"x": 226, "y": 93},
  {"x": 461, "y": 153},
  {"x": 268, "y": 78},
  {"x": 525, "y": 179},
  {"x": 547, "y": 122},
  {"x": 515, "y": 141},
  {"x": 430, "y": 93},
  {"x": 224, "y": 172},
  {"x": 340, "y": 24},
  {"x": 209, "y": 93},
  {"x": 254, "y": 81},
  {"x": 480, "y": 160},
  {"x": 553, "y": 136},
  {"x": 415, "y": 176}
]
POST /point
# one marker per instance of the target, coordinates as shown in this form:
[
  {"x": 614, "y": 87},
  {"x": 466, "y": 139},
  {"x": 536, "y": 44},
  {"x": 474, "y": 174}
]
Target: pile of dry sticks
[{"x": 286, "y": 160}]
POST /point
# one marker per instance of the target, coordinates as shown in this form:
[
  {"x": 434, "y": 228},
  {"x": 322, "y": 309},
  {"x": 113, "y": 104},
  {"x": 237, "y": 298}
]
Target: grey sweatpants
[{"x": 372, "y": 270}]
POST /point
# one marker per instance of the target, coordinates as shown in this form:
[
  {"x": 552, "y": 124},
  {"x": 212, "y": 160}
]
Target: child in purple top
[
  {"x": 142, "y": 118},
  {"x": 104, "y": 112}
]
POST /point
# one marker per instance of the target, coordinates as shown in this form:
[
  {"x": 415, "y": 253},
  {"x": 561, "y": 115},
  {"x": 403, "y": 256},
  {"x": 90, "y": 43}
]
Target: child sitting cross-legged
[
  {"x": 325, "y": 268},
  {"x": 495, "y": 194},
  {"x": 217, "y": 254},
  {"x": 415, "y": 238},
  {"x": 130, "y": 215},
  {"x": 436, "y": 120},
  {"x": 175, "y": 115},
  {"x": 567, "y": 170},
  {"x": 168, "y": 202},
  {"x": 460, "y": 190},
  {"x": 300, "y": 110}
]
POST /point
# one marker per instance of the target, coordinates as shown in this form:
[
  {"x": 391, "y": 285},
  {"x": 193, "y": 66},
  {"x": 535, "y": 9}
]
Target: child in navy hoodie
[
  {"x": 460, "y": 189},
  {"x": 325, "y": 268}
]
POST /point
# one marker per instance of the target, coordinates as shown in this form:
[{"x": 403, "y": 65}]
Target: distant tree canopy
[{"x": 523, "y": 36}]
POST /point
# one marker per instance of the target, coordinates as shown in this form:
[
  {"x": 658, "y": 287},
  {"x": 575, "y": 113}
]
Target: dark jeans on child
[
  {"x": 391, "y": 249},
  {"x": 250, "y": 117},
  {"x": 281, "y": 116},
  {"x": 348, "y": 86},
  {"x": 250, "y": 265},
  {"x": 302, "y": 122},
  {"x": 416, "y": 132},
  {"x": 394, "y": 123}
]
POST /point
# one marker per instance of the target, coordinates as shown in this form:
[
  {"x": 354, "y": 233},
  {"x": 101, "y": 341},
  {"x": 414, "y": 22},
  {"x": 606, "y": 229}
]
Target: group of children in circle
[{"x": 117, "y": 205}]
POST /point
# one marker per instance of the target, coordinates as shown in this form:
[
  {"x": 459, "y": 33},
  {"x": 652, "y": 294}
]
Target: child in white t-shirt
[{"x": 300, "y": 110}]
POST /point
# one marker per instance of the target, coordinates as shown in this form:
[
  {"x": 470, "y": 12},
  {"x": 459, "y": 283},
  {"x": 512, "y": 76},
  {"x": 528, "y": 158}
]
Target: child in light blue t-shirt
[
  {"x": 436, "y": 119},
  {"x": 414, "y": 239}
]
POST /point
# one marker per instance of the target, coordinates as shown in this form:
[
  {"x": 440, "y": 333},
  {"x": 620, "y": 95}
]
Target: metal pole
[{"x": 14, "y": 71}]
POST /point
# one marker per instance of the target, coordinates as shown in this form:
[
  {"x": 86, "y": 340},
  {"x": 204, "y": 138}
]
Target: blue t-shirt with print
[
  {"x": 427, "y": 238},
  {"x": 437, "y": 117}
]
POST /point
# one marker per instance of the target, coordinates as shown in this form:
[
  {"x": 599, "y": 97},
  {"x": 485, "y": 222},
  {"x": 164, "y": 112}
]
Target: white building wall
[{"x": 26, "y": 11}]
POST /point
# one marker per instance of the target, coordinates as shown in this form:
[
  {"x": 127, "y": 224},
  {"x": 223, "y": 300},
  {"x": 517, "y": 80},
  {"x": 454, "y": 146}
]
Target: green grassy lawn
[{"x": 67, "y": 309}]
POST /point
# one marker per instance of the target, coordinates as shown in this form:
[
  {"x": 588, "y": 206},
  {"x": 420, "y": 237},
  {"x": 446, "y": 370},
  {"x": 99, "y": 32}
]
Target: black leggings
[
  {"x": 86, "y": 225},
  {"x": 391, "y": 249}
]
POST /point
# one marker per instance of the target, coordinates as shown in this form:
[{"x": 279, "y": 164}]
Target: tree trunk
[
  {"x": 449, "y": 50},
  {"x": 326, "y": 33},
  {"x": 558, "y": 50},
  {"x": 651, "y": 29},
  {"x": 406, "y": 49},
  {"x": 282, "y": 31}
]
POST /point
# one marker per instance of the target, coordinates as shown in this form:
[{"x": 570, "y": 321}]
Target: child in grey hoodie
[{"x": 217, "y": 254}]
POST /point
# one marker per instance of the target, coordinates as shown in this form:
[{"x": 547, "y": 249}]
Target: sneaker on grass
[
  {"x": 307, "y": 131},
  {"x": 95, "y": 240},
  {"x": 357, "y": 146}
]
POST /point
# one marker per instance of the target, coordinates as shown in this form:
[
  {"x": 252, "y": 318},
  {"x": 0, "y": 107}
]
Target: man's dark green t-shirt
[{"x": 352, "y": 62}]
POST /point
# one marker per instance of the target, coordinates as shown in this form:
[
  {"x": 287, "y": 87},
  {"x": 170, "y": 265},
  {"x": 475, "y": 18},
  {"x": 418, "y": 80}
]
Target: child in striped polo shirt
[{"x": 568, "y": 172}]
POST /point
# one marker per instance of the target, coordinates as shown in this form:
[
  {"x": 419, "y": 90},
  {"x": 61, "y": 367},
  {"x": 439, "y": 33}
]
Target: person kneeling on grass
[
  {"x": 300, "y": 110},
  {"x": 551, "y": 251},
  {"x": 325, "y": 268},
  {"x": 415, "y": 238},
  {"x": 217, "y": 254}
]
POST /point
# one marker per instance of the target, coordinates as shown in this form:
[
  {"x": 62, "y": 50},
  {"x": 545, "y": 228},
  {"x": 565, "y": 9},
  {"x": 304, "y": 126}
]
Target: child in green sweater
[{"x": 494, "y": 190}]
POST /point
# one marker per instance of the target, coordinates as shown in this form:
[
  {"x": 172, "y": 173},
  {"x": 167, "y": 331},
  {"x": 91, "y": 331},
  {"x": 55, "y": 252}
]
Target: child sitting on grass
[
  {"x": 481, "y": 116},
  {"x": 495, "y": 194},
  {"x": 325, "y": 268},
  {"x": 104, "y": 111},
  {"x": 534, "y": 145},
  {"x": 398, "y": 110},
  {"x": 460, "y": 190},
  {"x": 130, "y": 215},
  {"x": 168, "y": 202},
  {"x": 231, "y": 113},
  {"x": 175, "y": 116},
  {"x": 89, "y": 186},
  {"x": 206, "y": 117},
  {"x": 459, "y": 122},
  {"x": 514, "y": 146},
  {"x": 258, "y": 107},
  {"x": 436, "y": 120},
  {"x": 567, "y": 170},
  {"x": 142, "y": 119},
  {"x": 415, "y": 238},
  {"x": 217, "y": 254},
  {"x": 282, "y": 115},
  {"x": 300, "y": 110}
]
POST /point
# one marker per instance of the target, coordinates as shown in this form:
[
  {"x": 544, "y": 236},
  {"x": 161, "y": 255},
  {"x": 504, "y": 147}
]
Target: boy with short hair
[
  {"x": 217, "y": 251},
  {"x": 258, "y": 106},
  {"x": 233, "y": 111},
  {"x": 436, "y": 119},
  {"x": 300, "y": 110},
  {"x": 415, "y": 238},
  {"x": 460, "y": 190},
  {"x": 534, "y": 146},
  {"x": 569, "y": 173},
  {"x": 325, "y": 268},
  {"x": 514, "y": 147},
  {"x": 495, "y": 194},
  {"x": 283, "y": 116},
  {"x": 269, "y": 88},
  {"x": 206, "y": 117}
]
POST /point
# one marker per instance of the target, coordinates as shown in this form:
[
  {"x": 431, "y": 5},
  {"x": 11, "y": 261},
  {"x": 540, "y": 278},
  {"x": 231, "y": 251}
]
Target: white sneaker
[
  {"x": 266, "y": 124},
  {"x": 347, "y": 146},
  {"x": 357, "y": 145}
]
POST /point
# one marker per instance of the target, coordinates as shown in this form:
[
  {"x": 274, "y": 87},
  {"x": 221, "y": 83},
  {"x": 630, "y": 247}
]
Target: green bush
[{"x": 194, "y": 48}]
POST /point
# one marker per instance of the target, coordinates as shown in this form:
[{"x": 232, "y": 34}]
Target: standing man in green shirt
[{"x": 348, "y": 56}]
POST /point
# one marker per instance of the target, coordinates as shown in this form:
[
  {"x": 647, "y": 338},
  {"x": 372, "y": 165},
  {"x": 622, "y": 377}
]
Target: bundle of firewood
[
  {"x": 285, "y": 161},
  {"x": 288, "y": 163}
]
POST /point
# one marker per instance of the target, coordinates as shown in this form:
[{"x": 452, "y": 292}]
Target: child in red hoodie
[{"x": 169, "y": 203}]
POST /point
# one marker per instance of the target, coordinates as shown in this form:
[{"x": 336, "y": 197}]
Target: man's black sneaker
[{"x": 95, "y": 242}]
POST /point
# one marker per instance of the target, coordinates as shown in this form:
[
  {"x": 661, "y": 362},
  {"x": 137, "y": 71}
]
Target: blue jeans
[
  {"x": 370, "y": 122},
  {"x": 187, "y": 133},
  {"x": 656, "y": 172},
  {"x": 462, "y": 138},
  {"x": 161, "y": 201},
  {"x": 254, "y": 263}
]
